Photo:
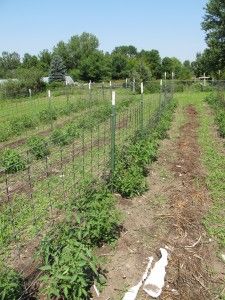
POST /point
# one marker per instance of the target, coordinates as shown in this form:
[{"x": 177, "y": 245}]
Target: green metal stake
[{"x": 113, "y": 135}]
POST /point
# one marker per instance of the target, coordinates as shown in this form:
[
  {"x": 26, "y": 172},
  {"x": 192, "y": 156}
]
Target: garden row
[
  {"x": 39, "y": 147},
  {"x": 217, "y": 101},
  {"x": 214, "y": 160},
  {"x": 30, "y": 199},
  {"x": 48, "y": 115},
  {"x": 70, "y": 265}
]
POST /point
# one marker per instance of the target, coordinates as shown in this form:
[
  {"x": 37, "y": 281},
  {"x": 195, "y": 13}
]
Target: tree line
[
  {"x": 82, "y": 59},
  {"x": 212, "y": 60}
]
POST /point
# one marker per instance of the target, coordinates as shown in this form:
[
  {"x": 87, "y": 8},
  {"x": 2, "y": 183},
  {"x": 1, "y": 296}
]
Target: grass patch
[{"x": 214, "y": 161}]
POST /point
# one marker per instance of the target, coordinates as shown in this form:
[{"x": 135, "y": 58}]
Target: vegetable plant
[
  {"x": 38, "y": 147},
  {"x": 12, "y": 161},
  {"x": 11, "y": 284}
]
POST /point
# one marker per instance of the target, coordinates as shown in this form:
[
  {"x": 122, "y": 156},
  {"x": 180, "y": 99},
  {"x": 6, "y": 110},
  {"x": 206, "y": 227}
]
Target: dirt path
[{"x": 169, "y": 214}]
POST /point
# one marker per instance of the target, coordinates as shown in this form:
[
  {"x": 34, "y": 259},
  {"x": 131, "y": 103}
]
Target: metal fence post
[{"x": 113, "y": 135}]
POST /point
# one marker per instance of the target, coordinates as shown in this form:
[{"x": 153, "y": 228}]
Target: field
[{"x": 63, "y": 160}]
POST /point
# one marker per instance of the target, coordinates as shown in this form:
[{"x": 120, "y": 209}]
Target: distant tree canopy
[
  {"x": 213, "y": 58},
  {"x": 57, "y": 69},
  {"x": 83, "y": 60}
]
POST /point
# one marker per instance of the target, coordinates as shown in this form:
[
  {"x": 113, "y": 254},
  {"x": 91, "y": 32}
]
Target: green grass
[{"x": 213, "y": 159}]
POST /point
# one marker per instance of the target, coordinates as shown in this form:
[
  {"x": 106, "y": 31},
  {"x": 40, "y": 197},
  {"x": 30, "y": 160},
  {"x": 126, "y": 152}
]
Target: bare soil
[{"x": 170, "y": 214}]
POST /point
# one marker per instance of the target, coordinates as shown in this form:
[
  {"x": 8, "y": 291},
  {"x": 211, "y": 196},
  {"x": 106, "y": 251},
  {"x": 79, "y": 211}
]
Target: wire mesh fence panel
[{"x": 36, "y": 192}]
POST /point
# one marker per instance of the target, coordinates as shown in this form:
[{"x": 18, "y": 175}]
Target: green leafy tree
[
  {"x": 80, "y": 47},
  {"x": 45, "y": 58},
  {"x": 95, "y": 67},
  {"x": 120, "y": 66},
  {"x": 9, "y": 61},
  {"x": 141, "y": 72},
  {"x": 62, "y": 50},
  {"x": 207, "y": 62},
  {"x": 153, "y": 60},
  {"x": 172, "y": 64},
  {"x": 214, "y": 26},
  {"x": 29, "y": 60},
  {"x": 187, "y": 64},
  {"x": 129, "y": 51},
  {"x": 57, "y": 69}
]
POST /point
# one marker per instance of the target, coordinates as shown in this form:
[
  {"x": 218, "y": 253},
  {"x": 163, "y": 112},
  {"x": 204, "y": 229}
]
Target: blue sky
[{"x": 170, "y": 26}]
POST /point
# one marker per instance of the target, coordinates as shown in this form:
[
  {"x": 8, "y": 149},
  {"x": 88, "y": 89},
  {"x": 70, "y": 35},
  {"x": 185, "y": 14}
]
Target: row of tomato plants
[
  {"x": 39, "y": 147},
  {"x": 69, "y": 263},
  {"x": 217, "y": 102}
]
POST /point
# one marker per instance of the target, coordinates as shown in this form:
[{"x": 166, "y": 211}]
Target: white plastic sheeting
[
  {"x": 154, "y": 282},
  {"x": 132, "y": 293}
]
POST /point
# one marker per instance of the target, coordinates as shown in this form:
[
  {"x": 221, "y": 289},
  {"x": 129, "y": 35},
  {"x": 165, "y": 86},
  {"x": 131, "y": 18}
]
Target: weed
[
  {"x": 12, "y": 161},
  {"x": 216, "y": 101},
  {"x": 38, "y": 147},
  {"x": 69, "y": 263},
  {"x": 48, "y": 115},
  {"x": 73, "y": 131},
  {"x": 5, "y": 131},
  {"x": 70, "y": 266},
  {"x": 60, "y": 137},
  {"x": 11, "y": 285},
  {"x": 98, "y": 214},
  {"x": 68, "y": 109},
  {"x": 29, "y": 121},
  {"x": 19, "y": 124},
  {"x": 128, "y": 181}
]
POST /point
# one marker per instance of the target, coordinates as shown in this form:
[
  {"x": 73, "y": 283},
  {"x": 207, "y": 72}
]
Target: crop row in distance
[
  {"x": 22, "y": 117},
  {"x": 33, "y": 208}
]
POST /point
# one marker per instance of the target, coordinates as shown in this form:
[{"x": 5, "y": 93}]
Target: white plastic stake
[
  {"x": 30, "y": 92},
  {"x": 126, "y": 82},
  {"x": 204, "y": 80},
  {"x": 134, "y": 85},
  {"x": 173, "y": 75},
  {"x": 165, "y": 75},
  {"x": 161, "y": 82},
  {"x": 113, "y": 98},
  {"x": 49, "y": 94},
  {"x": 110, "y": 83},
  {"x": 142, "y": 88},
  {"x": 89, "y": 85}
]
